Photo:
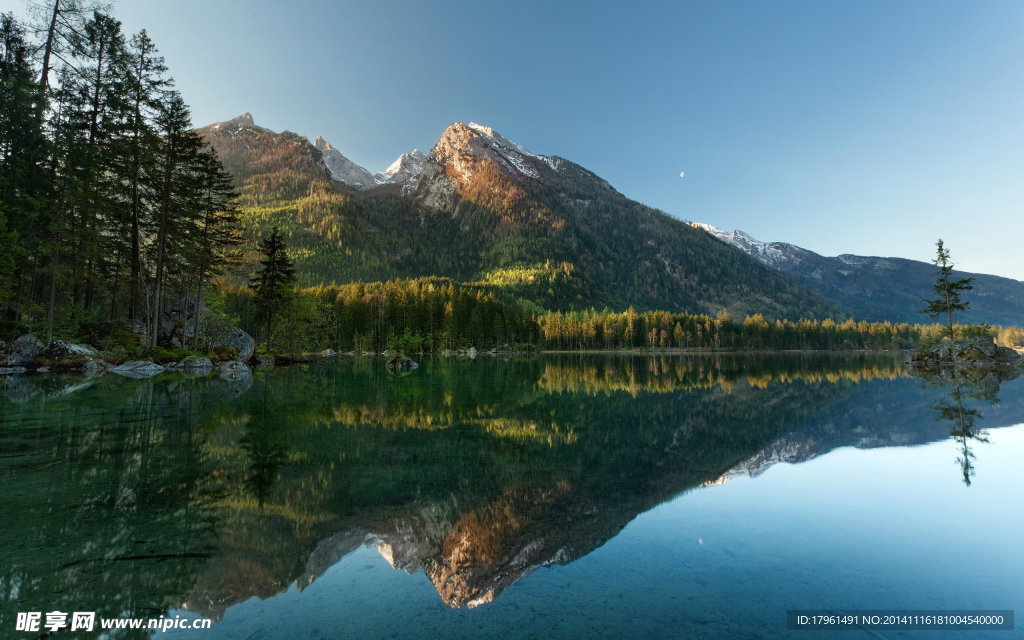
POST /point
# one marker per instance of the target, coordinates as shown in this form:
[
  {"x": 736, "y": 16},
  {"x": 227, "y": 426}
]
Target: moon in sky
[{"x": 682, "y": 174}]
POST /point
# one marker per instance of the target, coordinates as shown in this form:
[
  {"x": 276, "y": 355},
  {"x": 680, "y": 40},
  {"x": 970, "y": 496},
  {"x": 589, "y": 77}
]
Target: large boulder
[
  {"x": 63, "y": 350},
  {"x": 22, "y": 351},
  {"x": 401, "y": 363},
  {"x": 177, "y": 327},
  {"x": 195, "y": 362},
  {"x": 234, "y": 338}
]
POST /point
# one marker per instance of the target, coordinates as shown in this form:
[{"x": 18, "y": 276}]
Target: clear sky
[{"x": 863, "y": 126}]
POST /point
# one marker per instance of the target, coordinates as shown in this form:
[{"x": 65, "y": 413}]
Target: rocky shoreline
[{"x": 974, "y": 353}]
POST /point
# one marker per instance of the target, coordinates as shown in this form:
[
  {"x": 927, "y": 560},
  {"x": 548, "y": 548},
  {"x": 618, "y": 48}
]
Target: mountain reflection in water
[{"x": 137, "y": 497}]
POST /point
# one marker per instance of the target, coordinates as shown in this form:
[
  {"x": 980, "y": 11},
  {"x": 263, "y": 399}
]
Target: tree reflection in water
[{"x": 171, "y": 492}]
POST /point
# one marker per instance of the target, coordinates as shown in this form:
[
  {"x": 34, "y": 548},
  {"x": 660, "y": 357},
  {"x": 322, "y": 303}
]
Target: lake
[{"x": 561, "y": 496}]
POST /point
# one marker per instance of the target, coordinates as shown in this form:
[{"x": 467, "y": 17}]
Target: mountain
[
  {"x": 342, "y": 169},
  {"x": 481, "y": 208},
  {"x": 404, "y": 170},
  {"x": 874, "y": 288}
]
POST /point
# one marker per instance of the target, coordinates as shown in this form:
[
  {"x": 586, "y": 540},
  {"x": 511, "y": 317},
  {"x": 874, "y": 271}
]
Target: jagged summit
[
  {"x": 342, "y": 169},
  {"x": 405, "y": 168},
  {"x": 772, "y": 254},
  {"x": 236, "y": 124},
  {"x": 460, "y": 140}
]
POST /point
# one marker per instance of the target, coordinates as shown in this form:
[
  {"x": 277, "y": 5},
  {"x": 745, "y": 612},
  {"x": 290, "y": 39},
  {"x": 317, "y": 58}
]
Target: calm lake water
[{"x": 551, "y": 497}]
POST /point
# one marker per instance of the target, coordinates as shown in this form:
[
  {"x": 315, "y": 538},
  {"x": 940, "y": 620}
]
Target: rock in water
[
  {"x": 138, "y": 369},
  {"x": 235, "y": 370},
  {"x": 979, "y": 352},
  {"x": 401, "y": 363}
]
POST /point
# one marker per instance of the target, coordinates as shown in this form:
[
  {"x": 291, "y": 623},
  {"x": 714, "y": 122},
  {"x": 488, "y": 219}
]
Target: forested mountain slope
[{"x": 480, "y": 208}]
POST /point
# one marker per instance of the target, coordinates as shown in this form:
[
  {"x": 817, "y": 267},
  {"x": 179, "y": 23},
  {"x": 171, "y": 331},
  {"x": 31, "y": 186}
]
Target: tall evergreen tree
[
  {"x": 274, "y": 282},
  {"x": 25, "y": 187},
  {"x": 948, "y": 289},
  {"x": 146, "y": 83}
]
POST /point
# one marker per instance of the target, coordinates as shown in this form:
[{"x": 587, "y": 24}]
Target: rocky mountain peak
[
  {"x": 405, "y": 169},
  {"x": 237, "y": 124},
  {"x": 342, "y": 169},
  {"x": 462, "y": 144},
  {"x": 772, "y": 254}
]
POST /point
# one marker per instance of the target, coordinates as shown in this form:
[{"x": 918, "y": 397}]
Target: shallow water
[{"x": 556, "y": 497}]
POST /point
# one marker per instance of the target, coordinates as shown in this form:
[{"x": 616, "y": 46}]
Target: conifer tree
[
  {"x": 25, "y": 194},
  {"x": 146, "y": 82},
  {"x": 948, "y": 290},
  {"x": 275, "y": 279}
]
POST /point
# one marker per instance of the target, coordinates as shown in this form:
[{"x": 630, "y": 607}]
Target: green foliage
[
  {"x": 107, "y": 336},
  {"x": 425, "y": 314},
  {"x": 408, "y": 342},
  {"x": 161, "y": 355}
]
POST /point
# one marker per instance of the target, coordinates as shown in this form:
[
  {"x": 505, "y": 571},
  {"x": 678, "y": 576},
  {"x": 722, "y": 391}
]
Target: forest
[
  {"x": 437, "y": 314},
  {"x": 111, "y": 204}
]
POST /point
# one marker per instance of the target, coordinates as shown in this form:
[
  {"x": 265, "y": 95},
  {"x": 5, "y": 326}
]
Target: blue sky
[{"x": 870, "y": 127}]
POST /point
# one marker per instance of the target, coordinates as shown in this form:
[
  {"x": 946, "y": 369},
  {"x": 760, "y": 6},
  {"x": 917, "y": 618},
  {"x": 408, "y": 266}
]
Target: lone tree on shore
[
  {"x": 948, "y": 290},
  {"x": 275, "y": 279}
]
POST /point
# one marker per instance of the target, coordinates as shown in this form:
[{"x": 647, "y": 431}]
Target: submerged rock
[
  {"x": 401, "y": 363},
  {"x": 94, "y": 367},
  {"x": 234, "y": 370},
  {"x": 9, "y": 371},
  {"x": 138, "y": 369}
]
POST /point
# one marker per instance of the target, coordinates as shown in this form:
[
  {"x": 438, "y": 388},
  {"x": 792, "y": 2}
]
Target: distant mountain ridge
[
  {"x": 878, "y": 289},
  {"x": 481, "y": 208}
]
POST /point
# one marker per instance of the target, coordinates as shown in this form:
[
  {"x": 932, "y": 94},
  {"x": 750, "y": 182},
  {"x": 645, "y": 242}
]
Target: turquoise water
[{"x": 557, "y": 497}]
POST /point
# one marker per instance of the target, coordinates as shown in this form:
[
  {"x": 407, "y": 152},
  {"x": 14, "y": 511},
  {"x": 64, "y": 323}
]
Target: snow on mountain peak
[
  {"x": 341, "y": 168},
  {"x": 404, "y": 170},
  {"x": 487, "y": 131},
  {"x": 237, "y": 124},
  {"x": 477, "y": 140},
  {"x": 772, "y": 254}
]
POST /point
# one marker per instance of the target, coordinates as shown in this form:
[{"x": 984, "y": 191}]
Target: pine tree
[
  {"x": 25, "y": 187},
  {"x": 275, "y": 279},
  {"x": 146, "y": 81},
  {"x": 218, "y": 237},
  {"x": 948, "y": 290}
]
